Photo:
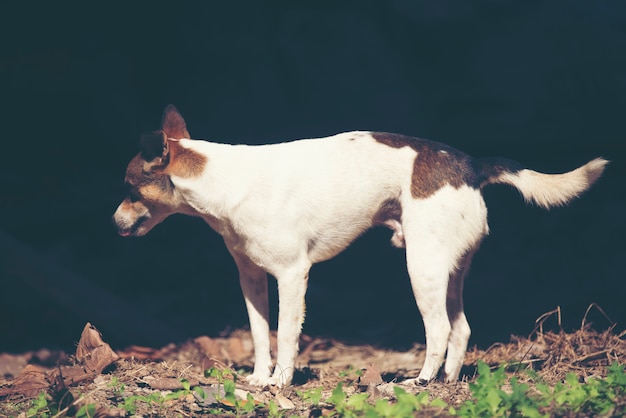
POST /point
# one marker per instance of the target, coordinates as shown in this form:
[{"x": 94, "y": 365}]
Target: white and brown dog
[{"x": 281, "y": 208}]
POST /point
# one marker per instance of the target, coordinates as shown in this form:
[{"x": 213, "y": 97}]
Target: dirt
[{"x": 98, "y": 375}]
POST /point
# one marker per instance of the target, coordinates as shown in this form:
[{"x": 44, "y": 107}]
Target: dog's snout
[
  {"x": 131, "y": 220},
  {"x": 119, "y": 224},
  {"x": 124, "y": 220},
  {"x": 120, "y": 227}
]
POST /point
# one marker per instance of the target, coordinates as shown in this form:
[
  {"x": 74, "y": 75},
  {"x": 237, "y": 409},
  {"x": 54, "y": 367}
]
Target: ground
[{"x": 188, "y": 379}]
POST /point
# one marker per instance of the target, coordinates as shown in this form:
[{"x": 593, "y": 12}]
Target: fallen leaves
[
  {"x": 32, "y": 380},
  {"x": 93, "y": 355}
]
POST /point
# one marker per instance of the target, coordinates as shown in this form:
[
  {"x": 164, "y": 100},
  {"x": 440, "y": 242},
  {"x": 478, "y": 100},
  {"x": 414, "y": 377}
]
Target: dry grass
[{"x": 586, "y": 351}]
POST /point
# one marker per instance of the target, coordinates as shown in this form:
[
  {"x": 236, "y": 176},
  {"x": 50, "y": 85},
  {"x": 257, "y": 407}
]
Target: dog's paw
[
  {"x": 261, "y": 380},
  {"x": 415, "y": 382}
]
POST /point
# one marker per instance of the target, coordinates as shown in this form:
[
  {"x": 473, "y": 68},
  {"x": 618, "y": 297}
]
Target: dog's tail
[{"x": 546, "y": 190}]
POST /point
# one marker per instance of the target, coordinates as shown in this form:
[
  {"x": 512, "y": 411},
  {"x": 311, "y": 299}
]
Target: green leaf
[
  {"x": 88, "y": 410},
  {"x": 493, "y": 399},
  {"x": 172, "y": 395},
  {"x": 130, "y": 405},
  {"x": 438, "y": 403},
  {"x": 229, "y": 390},
  {"x": 249, "y": 406},
  {"x": 313, "y": 396},
  {"x": 214, "y": 372},
  {"x": 422, "y": 398},
  {"x": 273, "y": 409},
  {"x": 338, "y": 396},
  {"x": 200, "y": 392},
  {"x": 572, "y": 380},
  {"x": 357, "y": 401},
  {"x": 543, "y": 389},
  {"x": 531, "y": 412},
  {"x": 483, "y": 369},
  {"x": 399, "y": 391},
  {"x": 383, "y": 407},
  {"x": 616, "y": 375}
]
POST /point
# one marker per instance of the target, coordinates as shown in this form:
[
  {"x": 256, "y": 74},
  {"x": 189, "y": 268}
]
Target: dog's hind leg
[
  {"x": 428, "y": 270},
  {"x": 460, "y": 329},
  {"x": 253, "y": 281},
  {"x": 440, "y": 234}
]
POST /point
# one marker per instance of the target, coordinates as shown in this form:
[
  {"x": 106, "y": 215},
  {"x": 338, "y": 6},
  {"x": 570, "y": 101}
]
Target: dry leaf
[
  {"x": 371, "y": 376},
  {"x": 93, "y": 352},
  {"x": 31, "y": 381},
  {"x": 284, "y": 402}
]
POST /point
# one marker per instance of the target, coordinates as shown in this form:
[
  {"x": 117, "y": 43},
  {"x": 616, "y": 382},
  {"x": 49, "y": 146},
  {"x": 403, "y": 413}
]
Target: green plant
[
  {"x": 86, "y": 411},
  {"x": 347, "y": 406},
  {"x": 596, "y": 397},
  {"x": 312, "y": 396},
  {"x": 490, "y": 400},
  {"x": 273, "y": 410},
  {"x": 227, "y": 380},
  {"x": 41, "y": 407},
  {"x": 129, "y": 403},
  {"x": 350, "y": 371},
  {"x": 117, "y": 387},
  {"x": 405, "y": 405}
]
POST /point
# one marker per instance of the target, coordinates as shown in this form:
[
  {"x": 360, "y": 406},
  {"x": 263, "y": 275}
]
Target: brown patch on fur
[
  {"x": 140, "y": 176},
  {"x": 135, "y": 170},
  {"x": 184, "y": 162},
  {"x": 435, "y": 165},
  {"x": 151, "y": 192}
]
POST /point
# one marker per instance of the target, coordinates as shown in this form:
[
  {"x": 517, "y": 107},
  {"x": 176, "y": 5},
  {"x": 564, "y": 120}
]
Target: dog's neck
[{"x": 218, "y": 188}]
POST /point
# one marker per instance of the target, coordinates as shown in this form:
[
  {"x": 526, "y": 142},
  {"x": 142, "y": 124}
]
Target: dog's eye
[{"x": 134, "y": 196}]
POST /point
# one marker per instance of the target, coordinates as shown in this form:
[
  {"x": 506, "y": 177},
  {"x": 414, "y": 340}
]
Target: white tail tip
[{"x": 548, "y": 190}]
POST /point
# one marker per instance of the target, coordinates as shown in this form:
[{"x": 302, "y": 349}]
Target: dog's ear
[
  {"x": 154, "y": 149},
  {"x": 173, "y": 124}
]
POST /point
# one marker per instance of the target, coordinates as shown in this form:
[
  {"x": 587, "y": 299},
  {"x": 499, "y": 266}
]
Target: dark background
[{"x": 541, "y": 82}]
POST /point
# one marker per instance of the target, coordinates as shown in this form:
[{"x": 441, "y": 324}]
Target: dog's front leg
[
  {"x": 253, "y": 281},
  {"x": 292, "y": 286}
]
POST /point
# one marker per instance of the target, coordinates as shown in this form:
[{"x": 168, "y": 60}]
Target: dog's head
[{"x": 151, "y": 192}]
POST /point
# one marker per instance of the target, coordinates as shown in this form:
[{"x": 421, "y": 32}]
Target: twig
[
  {"x": 588, "y": 356},
  {"x": 594, "y": 305},
  {"x": 539, "y": 321}
]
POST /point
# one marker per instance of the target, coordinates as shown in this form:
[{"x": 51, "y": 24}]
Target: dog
[{"x": 282, "y": 208}]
